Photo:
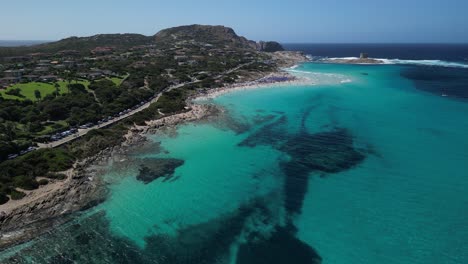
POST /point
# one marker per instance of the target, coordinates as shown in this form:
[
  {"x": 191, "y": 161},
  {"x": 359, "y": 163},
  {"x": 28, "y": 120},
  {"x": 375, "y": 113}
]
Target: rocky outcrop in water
[
  {"x": 269, "y": 46},
  {"x": 153, "y": 169},
  {"x": 288, "y": 58}
]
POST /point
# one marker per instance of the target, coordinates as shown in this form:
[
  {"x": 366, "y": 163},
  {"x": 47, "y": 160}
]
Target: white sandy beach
[{"x": 293, "y": 81}]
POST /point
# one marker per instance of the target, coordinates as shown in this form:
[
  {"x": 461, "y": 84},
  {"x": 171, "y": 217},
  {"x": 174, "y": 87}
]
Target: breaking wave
[
  {"x": 321, "y": 78},
  {"x": 438, "y": 63}
]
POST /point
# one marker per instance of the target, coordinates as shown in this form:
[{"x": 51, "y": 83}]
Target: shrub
[
  {"x": 55, "y": 176},
  {"x": 26, "y": 182},
  {"x": 15, "y": 92},
  {"x": 43, "y": 182},
  {"x": 3, "y": 198},
  {"x": 17, "y": 195}
]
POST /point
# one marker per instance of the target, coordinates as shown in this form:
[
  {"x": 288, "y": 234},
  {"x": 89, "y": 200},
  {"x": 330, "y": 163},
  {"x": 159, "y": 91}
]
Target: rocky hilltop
[
  {"x": 269, "y": 46},
  {"x": 214, "y": 35},
  {"x": 219, "y": 36},
  {"x": 203, "y": 33}
]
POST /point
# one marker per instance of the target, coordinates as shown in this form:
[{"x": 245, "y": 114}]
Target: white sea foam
[
  {"x": 440, "y": 63},
  {"x": 343, "y": 58},
  {"x": 320, "y": 77}
]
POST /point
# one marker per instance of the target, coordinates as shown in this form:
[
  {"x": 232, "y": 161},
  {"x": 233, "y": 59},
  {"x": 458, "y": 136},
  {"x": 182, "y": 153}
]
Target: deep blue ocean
[
  {"x": 361, "y": 164},
  {"x": 436, "y": 68},
  {"x": 19, "y": 43},
  {"x": 448, "y": 52}
]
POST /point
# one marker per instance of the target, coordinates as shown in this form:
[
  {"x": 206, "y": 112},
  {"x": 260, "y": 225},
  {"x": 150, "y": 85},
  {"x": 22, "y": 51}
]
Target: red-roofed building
[{"x": 102, "y": 50}]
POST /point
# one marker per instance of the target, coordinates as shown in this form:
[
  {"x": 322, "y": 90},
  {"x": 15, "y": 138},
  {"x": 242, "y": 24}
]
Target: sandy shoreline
[
  {"x": 54, "y": 203},
  {"x": 291, "y": 81}
]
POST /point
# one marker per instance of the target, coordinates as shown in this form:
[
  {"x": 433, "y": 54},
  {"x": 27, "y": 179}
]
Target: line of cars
[
  {"x": 72, "y": 131},
  {"x": 126, "y": 111},
  {"x": 109, "y": 118},
  {"x": 63, "y": 134},
  {"x": 12, "y": 156}
]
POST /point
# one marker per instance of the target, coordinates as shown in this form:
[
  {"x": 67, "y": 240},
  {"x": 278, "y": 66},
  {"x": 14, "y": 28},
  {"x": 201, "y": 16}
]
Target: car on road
[{"x": 12, "y": 156}]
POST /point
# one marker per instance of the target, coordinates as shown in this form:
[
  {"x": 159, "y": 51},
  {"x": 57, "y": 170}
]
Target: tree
[
  {"x": 56, "y": 110},
  {"x": 9, "y": 129},
  {"x": 77, "y": 88},
  {"x": 15, "y": 92},
  {"x": 70, "y": 75},
  {"x": 37, "y": 94},
  {"x": 57, "y": 89}
]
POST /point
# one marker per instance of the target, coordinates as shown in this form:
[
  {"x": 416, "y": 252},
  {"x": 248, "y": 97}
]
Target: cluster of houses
[
  {"x": 41, "y": 67},
  {"x": 96, "y": 74},
  {"x": 47, "y": 67},
  {"x": 102, "y": 50},
  {"x": 38, "y": 67}
]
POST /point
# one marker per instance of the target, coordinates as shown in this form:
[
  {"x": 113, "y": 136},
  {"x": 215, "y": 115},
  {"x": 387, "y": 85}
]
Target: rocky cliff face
[
  {"x": 214, "y": 35},
  {"x": 203, "y": 33},
  {"x": 269, "y": 46}
]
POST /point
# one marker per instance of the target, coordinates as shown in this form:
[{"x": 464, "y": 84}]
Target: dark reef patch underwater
[
  {"x": 91, "y": 241},
  {"x": 324, "y": 152},
  {"x": 282, "y": 247},
  {"x": 451, "y": 82},
  {"x": 152, "y": 169}
]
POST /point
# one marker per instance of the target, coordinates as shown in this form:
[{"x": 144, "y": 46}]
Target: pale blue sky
[{"x": 285, "y": 21}]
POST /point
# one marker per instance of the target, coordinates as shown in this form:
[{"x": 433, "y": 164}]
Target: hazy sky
[{"x": 285, "y": 21}]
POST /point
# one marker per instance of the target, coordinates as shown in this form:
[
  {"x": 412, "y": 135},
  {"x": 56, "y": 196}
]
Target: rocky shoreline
[
  {"x": 79, "y": 191},
  {"x": 84, "y": 188}
]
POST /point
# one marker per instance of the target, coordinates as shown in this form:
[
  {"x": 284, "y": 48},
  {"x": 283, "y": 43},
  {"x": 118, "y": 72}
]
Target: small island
[{"x": 363, "y": 59}]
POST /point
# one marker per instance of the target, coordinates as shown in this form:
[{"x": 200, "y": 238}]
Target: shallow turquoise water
[
  {"x": 210, "y": 184},
  {"x": 404, "y": 202},
  {"x": 407, "y": 203}
]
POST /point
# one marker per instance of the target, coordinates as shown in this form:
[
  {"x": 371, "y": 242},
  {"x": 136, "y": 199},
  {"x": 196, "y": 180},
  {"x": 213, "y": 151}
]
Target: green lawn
[
  {"x": 27, "y": 89},
  {"x": 49, "y": 129},
  {"x": 117, "y": 80}
]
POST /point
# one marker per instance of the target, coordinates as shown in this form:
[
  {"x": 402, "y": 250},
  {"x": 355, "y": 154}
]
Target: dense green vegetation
[
  {"x": 172, "y": 102},
  {"x": 22, "y": 172},
  {"x": 27, "y": 90},
  {"x": 24, "y": 121}
]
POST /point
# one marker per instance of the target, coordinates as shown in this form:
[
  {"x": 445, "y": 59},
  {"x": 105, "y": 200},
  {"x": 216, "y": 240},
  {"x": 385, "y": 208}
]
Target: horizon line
[{"x": 282, "y": 42}]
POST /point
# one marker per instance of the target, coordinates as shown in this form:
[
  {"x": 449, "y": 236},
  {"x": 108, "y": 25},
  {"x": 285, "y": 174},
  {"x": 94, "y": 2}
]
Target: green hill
[
  {"x": 219, "y": 36},
  {"x": 81, "y": 44}
]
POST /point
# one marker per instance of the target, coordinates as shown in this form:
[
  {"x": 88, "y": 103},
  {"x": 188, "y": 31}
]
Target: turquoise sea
[{"x": 365, "y": 166}]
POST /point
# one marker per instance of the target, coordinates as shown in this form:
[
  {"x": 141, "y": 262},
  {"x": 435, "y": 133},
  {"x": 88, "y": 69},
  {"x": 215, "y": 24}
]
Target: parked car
[{"x": 12, "y": 156}]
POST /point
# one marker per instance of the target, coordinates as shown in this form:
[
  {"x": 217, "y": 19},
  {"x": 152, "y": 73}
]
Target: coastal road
[{"x": 82, "y": 132}]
